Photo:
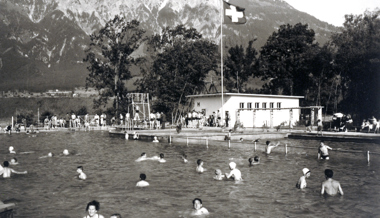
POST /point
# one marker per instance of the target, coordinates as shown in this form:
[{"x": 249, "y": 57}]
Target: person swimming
[
  {"x": 66, "y": 152},
  {"x": 12, "y": 150},
  {"x": 254, "y": 161},
  {"x": 81, "y": 175},
  {"x": 50, "y": 154},
  {"x": 155, "y": 139},
  {"x": 235, "y": 173},
  {"x": 198, "y": 208},
  {"x": 142, "y": 182},
  {"x": 161, "y": 160},
  {"x": 218, "y": 175},
  {"x": 200, "y": 168},
  {"x": 184, "y": 157},
  {"x": 92, "y": 209},
  {"x": 270, "y": 146},
  {"x": 301, "y": 184},
  {"x": 8, "y": 171},
  {"x": 13, "y": 161}
]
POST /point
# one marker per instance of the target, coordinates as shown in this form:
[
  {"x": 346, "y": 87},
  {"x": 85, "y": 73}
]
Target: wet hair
[
  {"x": 256, "y": 158},
  {"x": 199, "y": 161},
  {"x": 80, "y": 167},
  {"x": 142, "y": 154},
  {"x": 6, "y": 164},
  {"x": 329, "y": 173},
  {"x": 14, "y": 159},
  {"x": 117, "y": 215},
  {"x": 197, "y": 199},
  {"x": 93, "y": 203},
  {"x": 267, "y": 142},
  {"x": 142, "y": 176},
  {"x": 161, "y": 155},
  {"x": 250, "y": 160}
]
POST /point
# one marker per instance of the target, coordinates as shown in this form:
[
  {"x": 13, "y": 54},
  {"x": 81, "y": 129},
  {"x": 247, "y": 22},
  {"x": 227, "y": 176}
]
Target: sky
[{"x": 333, "y": 11}]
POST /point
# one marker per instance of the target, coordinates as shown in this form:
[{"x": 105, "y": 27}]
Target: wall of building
[{"x": 249, "y": 118}]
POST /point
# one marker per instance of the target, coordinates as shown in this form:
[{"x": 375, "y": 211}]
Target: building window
[
  {"x": 249, "y": 105},
  {"x": 278, "y": 104},
  {"x": 264, "y": 105},
  {"x": 198, "y": 104},
  {"x": 271, "y": 105},
  {"x": 257, "y": 105},
  {"x": 241, "y": 105}
]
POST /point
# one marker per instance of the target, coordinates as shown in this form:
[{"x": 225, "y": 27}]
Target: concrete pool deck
[{"x": 217, "y": 134}]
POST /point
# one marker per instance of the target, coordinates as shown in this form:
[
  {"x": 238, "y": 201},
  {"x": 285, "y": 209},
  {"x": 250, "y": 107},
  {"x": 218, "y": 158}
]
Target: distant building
[{"x": 253, "y": 110}]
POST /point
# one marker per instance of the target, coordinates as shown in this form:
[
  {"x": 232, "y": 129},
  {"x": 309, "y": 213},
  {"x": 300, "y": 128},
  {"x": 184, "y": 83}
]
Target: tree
[
  {"x": 181, "y": 62},
  {"x": 239, "y": 65},
  {"x": 282, "y": 59},
  {"x": 109, "y": 58},
  {"x": 358, "y": 63}
]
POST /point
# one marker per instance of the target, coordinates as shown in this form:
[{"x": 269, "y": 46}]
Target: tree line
[{"x": 342, "y": 75}]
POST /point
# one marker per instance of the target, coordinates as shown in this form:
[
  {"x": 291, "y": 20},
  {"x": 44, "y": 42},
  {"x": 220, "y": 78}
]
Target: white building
[{"x": 253, "y": 110}]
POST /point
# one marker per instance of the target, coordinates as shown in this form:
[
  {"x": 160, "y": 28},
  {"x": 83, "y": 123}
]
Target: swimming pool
[{"x": 50, "y": 188}]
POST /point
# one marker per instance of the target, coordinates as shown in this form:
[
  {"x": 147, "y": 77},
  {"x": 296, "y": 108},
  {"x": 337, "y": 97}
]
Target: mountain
[{"x": 42, "y": 42}]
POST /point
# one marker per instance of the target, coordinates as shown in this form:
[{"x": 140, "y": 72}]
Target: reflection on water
[{"x": 50, "y": 189}]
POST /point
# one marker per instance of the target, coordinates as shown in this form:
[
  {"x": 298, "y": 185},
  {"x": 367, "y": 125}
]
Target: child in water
[
  {"x": 198, "y": 208},
  {"x": 92, "y": 208},
  {"x": 254, "y": 161},
  {"x": 142, "y": 182},
  {"x": 81, "y": 175},
  {"x": 161, "y": 160},
  {"x": 235, "y": 173},
  {"x": 331, "y": 186},
  {"x": 218, "y": 175},
  {"x": 301, "y": 184},
  {"x": 323, "y": 152},
  {"x": 13, "y": 161},
  {"x": 200, "y": 168},
  {"x": 270, "y": 146},
  {"x": 8, "y": 171},
  {"x": 12, "y": 150}
]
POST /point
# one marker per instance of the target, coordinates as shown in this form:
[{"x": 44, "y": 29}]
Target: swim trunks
[{"x": 324, "y": 156}]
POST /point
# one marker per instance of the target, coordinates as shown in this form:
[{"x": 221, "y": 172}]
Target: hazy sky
[{"x": 333, "y": 11}]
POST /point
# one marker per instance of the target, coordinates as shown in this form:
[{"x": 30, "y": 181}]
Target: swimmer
[
  {"x": 142, "y": 182},
  {"x": 241, "y": 140},
  {"x": 301, "y": 184},
  {"x": 50, "y": 154},
  {"x": 218, "y": 175},
  {"x": 7, "y": 171},
  {"x": 198, "y": 208},
  {"x": 235, "y": 173},
  {"x": 116, "y": 215},
  {"x": 142, "y": 157},
  {"x": 270, "y": 146},
  {"x": 81, "y": 175},
  {"x": 161, "y": 160},
  {"x": 331, "y": 186},
  {"x": 92, "y": 209},
  {"x": 200, "y": 168},
  {"x": 13, "y": 161},
  {"x": 66, "y": 152},
  {"x": 254, "y": 161},
  {"x": 184, "y": 157},
  {"x": 323, "y": 151},
  {"x": 135, "y": 135},
  {"x": 12, "y": 150},
  {"x": 155, "y": 139}
]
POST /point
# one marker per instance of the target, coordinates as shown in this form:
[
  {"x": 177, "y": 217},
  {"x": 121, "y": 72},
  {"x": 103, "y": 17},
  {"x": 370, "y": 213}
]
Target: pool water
[{"x": 51, "y": 189}]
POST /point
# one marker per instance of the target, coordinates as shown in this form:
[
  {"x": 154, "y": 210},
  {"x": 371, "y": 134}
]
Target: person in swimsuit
[
  {"x": 13, "y": 161},
  {"x": 323, "y": 151},
  {"x": 92, "y": 209},
  {"x": 142, "y": 182},
  {"x": 184, "y": 157},
  {"x": 301, "y": 184},
  {"x": 218, "y": 175},
  {"x": 200, "y": 168},
  {"x": 81, "y": 175},
  {"x": 12, "y": 150},
  {"x": 254, "y": 161},
  {"x": 235, "y": 173},
  {"x": 198, "y": 208},
  {"x": 331, "y": 186},
  {"x": 270, "y": 146},
  {"x": 6, "y": 171}
]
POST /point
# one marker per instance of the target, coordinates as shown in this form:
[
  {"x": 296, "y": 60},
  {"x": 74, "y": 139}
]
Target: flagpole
[{"x": 221, "y": 53}]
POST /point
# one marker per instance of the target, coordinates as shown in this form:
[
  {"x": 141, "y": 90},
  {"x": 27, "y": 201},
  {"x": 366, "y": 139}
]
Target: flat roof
[{"x": 243, "y": 95}]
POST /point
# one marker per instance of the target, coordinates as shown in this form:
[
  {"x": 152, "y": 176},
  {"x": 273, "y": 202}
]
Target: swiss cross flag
[{"x": 233, "y": 14}]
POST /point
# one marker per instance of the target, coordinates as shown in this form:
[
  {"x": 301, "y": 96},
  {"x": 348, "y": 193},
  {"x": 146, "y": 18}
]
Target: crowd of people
[{"x": 370, "y": 124}]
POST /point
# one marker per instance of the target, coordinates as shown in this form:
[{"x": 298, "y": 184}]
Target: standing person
[
  {"x": 101, "y": 119},
  {"x": 121, "y": 118},
  {"x": 67, "y": 119},
  {"x": 158, "y": 120},
  {"x": 308, "y": 126},
  {"x": 301, "y": 184},
  {"x": 219, "y": 122},
  {"x": 73, "y": 117},
  {"x": 320, "y": 127},
  {"x": 323, "y": 151},
  {"x": 92, "y": 209},
  {"x": 227, "y": 118},
  {"x": 331, "y": 186},
  {"x": 163, "y": 119}
]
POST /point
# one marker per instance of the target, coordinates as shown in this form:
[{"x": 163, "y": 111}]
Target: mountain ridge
[{"x": 44, "y": 40}]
